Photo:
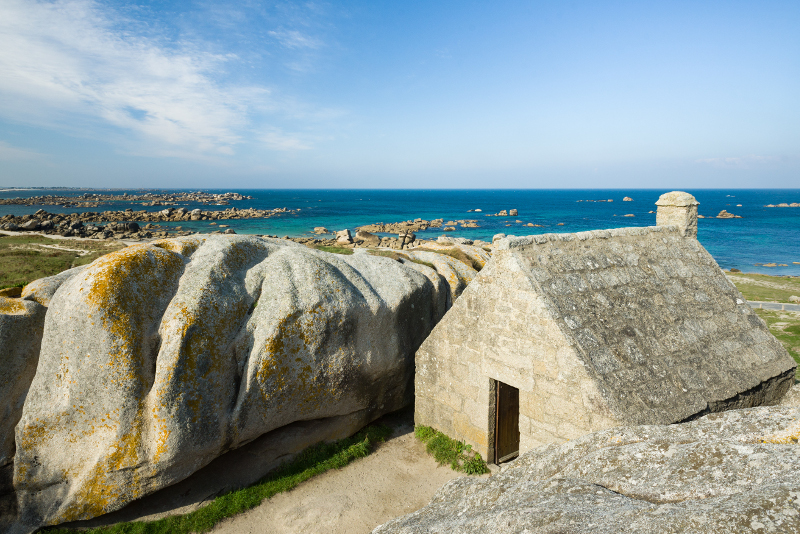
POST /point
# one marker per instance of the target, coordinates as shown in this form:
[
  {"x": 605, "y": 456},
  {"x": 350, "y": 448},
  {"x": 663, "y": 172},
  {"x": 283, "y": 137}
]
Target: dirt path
[{"x": 398, "y": 478}]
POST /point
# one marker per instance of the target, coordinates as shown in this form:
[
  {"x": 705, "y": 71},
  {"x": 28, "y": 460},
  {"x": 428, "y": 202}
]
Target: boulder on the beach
[
  {"x": 343, "y": 237},
  {"x": 32, "y": 224},
  {"x": 158, "y": 358},
  {"x": 728, "y": 472},
  {"x": 368, "y": 239}
]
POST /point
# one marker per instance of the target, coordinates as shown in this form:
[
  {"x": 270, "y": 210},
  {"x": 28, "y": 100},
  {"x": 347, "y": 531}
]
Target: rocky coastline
[
  {"x": 93, "y": 200},
  {"x": 125, "y": 223}
]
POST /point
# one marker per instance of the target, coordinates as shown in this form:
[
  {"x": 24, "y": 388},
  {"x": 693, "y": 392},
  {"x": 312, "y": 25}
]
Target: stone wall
[{"x": 500, "y": 330}]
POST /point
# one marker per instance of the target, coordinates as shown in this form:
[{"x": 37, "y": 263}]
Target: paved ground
[
  {"x": 775, "y": 306},
  {"x": 396, "y": 479}
]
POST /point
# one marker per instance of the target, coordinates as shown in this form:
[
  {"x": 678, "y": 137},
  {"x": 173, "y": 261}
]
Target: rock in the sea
[
  {"x": 158, "y": 358},
  {"x": 627, "y": 199},
  {"x": 724, "y": 214},
  {"x": 735, "y": 471},
  {"x": 513, "y": 213}
]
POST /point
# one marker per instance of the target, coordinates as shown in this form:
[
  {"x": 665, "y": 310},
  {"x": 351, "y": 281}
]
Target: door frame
[{"x": 494, "y": 423}]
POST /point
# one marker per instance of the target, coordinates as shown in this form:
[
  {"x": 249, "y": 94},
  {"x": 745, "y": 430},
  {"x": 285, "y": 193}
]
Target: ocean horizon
[{"x": 761, "y": 236}]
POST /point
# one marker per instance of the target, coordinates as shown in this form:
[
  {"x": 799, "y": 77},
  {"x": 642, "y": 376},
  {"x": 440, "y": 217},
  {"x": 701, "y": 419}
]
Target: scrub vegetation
[
  {"x": 24, "y": 259},
  {"x": 335, "y": 250},
  {"x": 445, "y": 450},
  {"x": 311, "y": 462}
]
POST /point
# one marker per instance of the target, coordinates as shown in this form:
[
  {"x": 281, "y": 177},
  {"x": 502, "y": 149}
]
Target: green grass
[
  {"x": 23, "y": 259},
  {"x": 311, "y": 462},
  {"x": 755, "y": 287},
  {"x": 445, "y": 450},
  {"x": 334, "y": 250},
  {"x": 389, "y": 254},
  {"x": 785, "y": 326}
]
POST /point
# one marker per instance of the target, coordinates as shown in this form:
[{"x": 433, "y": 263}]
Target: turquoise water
[{"x": 763, "y": 235}]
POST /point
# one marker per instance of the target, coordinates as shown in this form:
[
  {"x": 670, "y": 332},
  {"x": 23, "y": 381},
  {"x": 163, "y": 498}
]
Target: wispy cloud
[
  {"x": 70, "y": 61},
  {"x": 277, "y": 140},
  {"x": 8, "y": 153},
  {"x": 295, "y": 39}
]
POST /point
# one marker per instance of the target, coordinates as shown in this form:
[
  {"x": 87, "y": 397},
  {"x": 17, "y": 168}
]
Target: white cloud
[
  {"x": 69, "y": 61},
  {"x": 8, "y": 153}
]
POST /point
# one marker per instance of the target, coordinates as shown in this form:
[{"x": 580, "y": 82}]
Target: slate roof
[{"x": 654, "y": 319}]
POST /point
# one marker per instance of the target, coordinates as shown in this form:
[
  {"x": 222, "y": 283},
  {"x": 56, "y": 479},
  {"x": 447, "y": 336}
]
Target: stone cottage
[{"x": 564, "y": 334}]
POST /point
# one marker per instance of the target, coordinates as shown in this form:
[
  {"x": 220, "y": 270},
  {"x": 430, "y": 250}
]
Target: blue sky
[{"x": 399, "y": 94}]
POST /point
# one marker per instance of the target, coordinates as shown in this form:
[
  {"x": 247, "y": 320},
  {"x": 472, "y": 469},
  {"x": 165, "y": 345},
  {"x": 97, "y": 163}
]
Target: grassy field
[
  {"x": 762, "y": 287},
  {"x": 24, "y": 259},
  {"x": 786, "y": 327}
]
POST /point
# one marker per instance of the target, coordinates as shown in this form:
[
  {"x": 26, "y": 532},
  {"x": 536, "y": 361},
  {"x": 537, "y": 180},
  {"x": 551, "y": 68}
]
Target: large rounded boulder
[{"x": 158, "y": 358}]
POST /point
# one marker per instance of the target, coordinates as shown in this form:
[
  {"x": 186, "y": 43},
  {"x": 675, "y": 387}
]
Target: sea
[{"x": 761, "y": 236}]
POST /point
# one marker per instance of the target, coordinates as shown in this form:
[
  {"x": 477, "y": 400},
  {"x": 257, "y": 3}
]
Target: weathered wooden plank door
[{"x": 506, "y": 440}]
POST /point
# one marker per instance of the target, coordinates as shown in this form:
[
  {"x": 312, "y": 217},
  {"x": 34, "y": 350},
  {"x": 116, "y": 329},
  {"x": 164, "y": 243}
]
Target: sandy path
[{"x": 398, "y": 478}]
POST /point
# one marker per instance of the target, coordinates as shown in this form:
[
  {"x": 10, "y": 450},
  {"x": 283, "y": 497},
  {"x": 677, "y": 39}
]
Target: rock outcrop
[
  {"x": 729, "y": 472},
  {"x": 157, "y": 358}
]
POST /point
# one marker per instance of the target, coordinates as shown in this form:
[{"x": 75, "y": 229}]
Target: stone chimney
[{"x": 678, "y": 209}]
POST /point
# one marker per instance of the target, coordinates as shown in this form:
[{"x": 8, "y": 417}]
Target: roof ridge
[{"x": 513, "y": 242}]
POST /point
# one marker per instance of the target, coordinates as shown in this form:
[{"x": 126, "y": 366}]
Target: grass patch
[
  {"x": 389, "y": 254},
  {"x": 334, "y": 250},
  {"x": 311, "y": 462},
  {"x": 457, "y": 254},
  {"x": 785, "y": 326},
  {"x": 23, "y": 259},
  {"x": 445, "y": 450},
  {"x": 763, "y": 287}
]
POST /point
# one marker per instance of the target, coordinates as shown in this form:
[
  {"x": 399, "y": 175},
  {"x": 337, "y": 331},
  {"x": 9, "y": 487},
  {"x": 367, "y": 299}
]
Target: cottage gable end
[{"x": 500, "y": 329}]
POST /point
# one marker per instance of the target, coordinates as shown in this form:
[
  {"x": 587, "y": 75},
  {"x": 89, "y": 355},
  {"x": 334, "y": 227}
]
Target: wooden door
[{"x": 506, "y": 440}]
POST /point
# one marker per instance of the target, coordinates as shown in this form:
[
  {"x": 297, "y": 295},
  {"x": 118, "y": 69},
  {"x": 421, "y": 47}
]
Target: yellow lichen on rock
[
  {"x": 184, "y": 246},
  {"x": 12, "y": 306}
]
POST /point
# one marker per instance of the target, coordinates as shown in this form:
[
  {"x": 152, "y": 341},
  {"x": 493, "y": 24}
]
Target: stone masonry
[{"x": 596, "y": 329}]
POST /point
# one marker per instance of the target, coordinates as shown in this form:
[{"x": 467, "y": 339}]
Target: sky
[{"x": 412, "y": 94}]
